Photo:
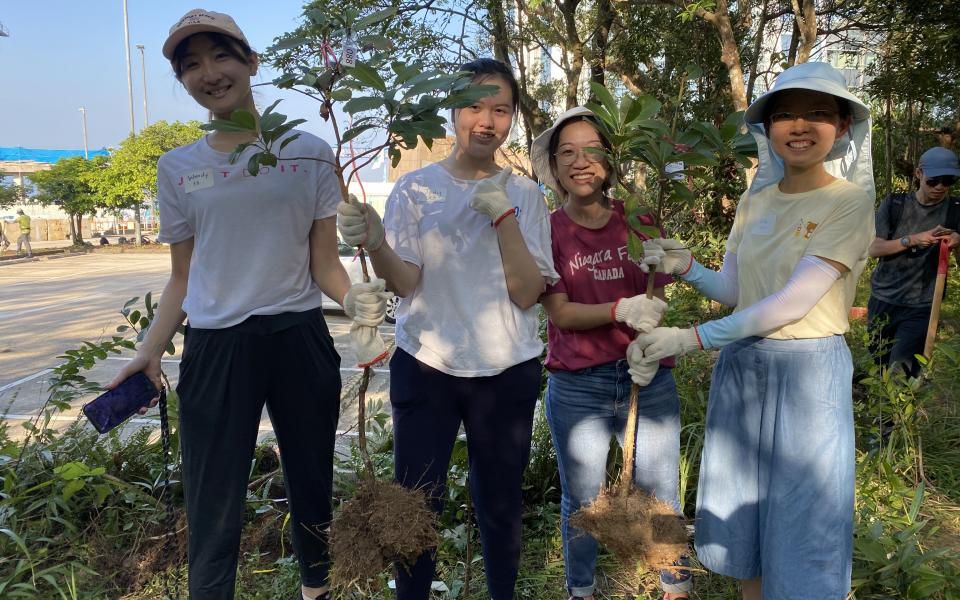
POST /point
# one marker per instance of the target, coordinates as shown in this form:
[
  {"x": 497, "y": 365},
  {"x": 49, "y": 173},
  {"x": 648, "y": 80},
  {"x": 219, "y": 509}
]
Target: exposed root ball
[
  {"x": 636, "y": 528},
  {"x": 383, "y": 523}
]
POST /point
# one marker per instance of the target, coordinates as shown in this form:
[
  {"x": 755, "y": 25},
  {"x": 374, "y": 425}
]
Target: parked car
[{"x": 352, "y": 266}]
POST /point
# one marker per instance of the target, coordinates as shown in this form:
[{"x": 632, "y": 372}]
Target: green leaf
[
  {"x": 270, "y": 108},
  {"x": 341, "y": 95},
  {"x": 376, "y": 41},
  {"x": 363, "y": 104},
  {"x": 917, "y": 502},
  {"x": 270, "y": 121},
  {"x": 353, "y": 132},
  {"x": 368, "y": 76},
  {"x": 235, "y": 155},
  {"x": 268, "y": 159},
  {"x": 605, "y": 98},
  {"x": 170, "y": 349},
  {"x": 253, "y": 165},
  {"x": 286, "y": 141},
  {"x": 289, "y": 43},
  {"x": 71, "y": 470},
  {"x": 374, "y": 18},
  {"x": 226, "y": 126},
  {"x": 244, "y": 118},
  {"x": 72, "y": 487}
]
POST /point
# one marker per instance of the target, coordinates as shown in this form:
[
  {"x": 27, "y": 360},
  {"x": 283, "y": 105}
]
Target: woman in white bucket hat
[{"x": 775, "y": 497}]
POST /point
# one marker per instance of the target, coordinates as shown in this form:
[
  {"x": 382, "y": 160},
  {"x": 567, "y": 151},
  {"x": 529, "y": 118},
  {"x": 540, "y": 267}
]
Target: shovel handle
[{"x": 942, "y": 264}]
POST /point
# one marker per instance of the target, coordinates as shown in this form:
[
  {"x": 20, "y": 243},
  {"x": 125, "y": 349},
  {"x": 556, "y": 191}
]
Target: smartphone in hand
[{"x": 115, "y": 406}]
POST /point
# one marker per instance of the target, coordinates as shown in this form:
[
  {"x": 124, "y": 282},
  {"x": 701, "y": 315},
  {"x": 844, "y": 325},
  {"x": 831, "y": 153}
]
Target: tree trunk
[
  {"x": 137, "y": 226},
  {"x": 575, "y": 47},
  {"x": 78, "y": 238},
  {"x": 601, "y": 36},
  {"x": 534, "y": 119},
  {"x": 805, "y": 16},
  {"x": 73, "y": 229},
  {"x": 729, "y": 52},
  {"x": 794, "y": 44},
  {"x": 887, "y": 149}
]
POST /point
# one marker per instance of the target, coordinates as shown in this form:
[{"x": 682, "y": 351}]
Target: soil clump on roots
[
  {"x": 382, "y": 523},
  {"x": 635, "y": 526}
]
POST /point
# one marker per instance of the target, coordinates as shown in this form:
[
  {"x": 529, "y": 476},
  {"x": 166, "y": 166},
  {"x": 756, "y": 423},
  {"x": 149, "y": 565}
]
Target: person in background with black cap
[
  {"x": 256, "y": 333},
  {"x": 910, "y": 227}
]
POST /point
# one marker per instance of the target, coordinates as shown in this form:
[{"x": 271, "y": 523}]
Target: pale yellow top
[{"x": 772, "y": 231}]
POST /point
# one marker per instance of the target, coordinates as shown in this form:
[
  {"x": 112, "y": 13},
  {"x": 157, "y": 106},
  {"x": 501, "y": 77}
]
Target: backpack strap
[{"x": 953, "y": 214}]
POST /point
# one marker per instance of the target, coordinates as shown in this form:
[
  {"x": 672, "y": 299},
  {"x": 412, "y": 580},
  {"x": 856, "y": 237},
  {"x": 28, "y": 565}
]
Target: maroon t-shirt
[{"x": 594, "y": 268}]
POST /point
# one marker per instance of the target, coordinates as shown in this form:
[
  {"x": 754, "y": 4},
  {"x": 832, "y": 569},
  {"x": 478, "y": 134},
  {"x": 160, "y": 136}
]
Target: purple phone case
[{"x": 115, "y": 406}]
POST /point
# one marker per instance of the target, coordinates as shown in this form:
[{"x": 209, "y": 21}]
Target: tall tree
[
  {"x": 130, "y": 177},
  {"x": 67, "y": 184}
]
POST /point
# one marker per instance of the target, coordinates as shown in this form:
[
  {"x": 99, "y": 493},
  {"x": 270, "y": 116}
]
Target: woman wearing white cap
[
  {"x": 250, "y": 257},
  {"x": 775, "y": 497},
  {"x": 595, "y": 310}
]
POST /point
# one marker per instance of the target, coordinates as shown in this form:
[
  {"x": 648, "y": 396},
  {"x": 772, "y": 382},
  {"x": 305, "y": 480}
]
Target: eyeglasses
[
  {"x": 944, "y": 180},
  {"x": 592, "y": 154},
  {"x": 810, "y": 116}
]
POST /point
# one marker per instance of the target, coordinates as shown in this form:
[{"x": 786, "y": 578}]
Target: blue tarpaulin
[{"x": 44, "y": 156}]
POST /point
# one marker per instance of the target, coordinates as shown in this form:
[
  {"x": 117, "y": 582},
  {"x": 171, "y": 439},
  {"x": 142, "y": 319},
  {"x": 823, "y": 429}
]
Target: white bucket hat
[
  {"x": 540, "y": 149},
  {"x": 850, "y": 156}
]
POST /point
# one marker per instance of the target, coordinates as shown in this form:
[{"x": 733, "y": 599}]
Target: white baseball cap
[{"x": 199, "y": 20}]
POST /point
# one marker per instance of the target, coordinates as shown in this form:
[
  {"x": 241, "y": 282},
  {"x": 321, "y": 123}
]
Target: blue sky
[{"x": 64, "y": 54}]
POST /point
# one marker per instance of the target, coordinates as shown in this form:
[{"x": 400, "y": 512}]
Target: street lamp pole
[
  {"x": 126, "y": 49},
  {"x": 83, "y": 119},
  {"x": 143, "y": 73}
]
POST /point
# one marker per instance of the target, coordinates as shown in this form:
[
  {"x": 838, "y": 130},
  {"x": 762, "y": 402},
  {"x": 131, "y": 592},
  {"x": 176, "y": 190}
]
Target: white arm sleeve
[
  {"x": 811, "y": 279},
  {"x": 722, "y": 286}
]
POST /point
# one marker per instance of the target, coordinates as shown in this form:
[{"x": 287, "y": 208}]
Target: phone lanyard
[{"x": 171, "y": 544}]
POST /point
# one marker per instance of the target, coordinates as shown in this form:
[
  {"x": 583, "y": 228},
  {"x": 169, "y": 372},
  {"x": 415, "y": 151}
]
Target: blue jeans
[
  {"x": 778, "y": 468},
  {"x": 586, "y": 407}
]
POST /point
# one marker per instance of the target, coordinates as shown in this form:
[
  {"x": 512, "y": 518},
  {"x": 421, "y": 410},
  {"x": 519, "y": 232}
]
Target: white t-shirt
[
  {"x": 251, "y": 253},
  {"x": 460, "y": 319}
]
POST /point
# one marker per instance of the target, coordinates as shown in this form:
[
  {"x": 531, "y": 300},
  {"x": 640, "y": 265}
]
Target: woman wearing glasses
[
  {"x": 909, "y": 229},
  {"x": 595, "y": 309}
]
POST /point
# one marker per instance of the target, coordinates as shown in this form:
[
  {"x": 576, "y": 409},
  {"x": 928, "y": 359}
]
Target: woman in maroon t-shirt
[{"x": 595, "y": 310}]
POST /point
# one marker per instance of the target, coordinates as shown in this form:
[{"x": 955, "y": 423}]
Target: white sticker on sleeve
[
  {"x": 197, "y": 180},
  {"x": 764, "y": 225}
]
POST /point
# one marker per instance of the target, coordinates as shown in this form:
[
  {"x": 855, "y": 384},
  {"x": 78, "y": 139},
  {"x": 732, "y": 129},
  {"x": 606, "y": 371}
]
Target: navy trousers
[{"x": 497, "y": 414}]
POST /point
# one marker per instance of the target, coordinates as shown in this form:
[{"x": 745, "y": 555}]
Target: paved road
[{"x": 51, "y": 305}]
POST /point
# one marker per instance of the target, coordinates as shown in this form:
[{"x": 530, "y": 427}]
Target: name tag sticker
[
  {"x": 764, "y": 225},
  {"x": 197, "y": 180}
]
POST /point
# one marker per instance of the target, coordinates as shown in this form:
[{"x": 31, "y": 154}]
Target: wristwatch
[{"x": 905, "y": 241}]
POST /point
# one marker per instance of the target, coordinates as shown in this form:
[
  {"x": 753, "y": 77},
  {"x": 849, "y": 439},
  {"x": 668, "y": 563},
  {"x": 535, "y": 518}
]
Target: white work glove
[
  {"x": 642, "y": 370},
  {"x": 359, "y": 224},
  {"x": 366, "y": 303},
  {"x": 490, "y": 196},
  {"x": 367, "y": 345},
  {"x": 664, "y": 342},
  {"x": 671, "y": 256},
  {"x": 639, "y": 312}
]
